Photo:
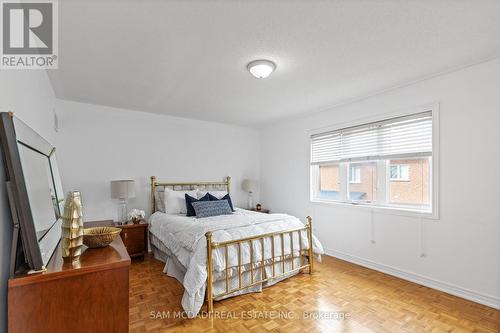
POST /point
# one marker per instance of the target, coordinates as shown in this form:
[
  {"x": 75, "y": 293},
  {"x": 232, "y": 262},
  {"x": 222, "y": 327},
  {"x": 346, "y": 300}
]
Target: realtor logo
[{"x": 29, "y": 34}]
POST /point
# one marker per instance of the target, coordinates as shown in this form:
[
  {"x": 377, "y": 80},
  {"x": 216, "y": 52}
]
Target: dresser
[{"x": 89, "y": 297}]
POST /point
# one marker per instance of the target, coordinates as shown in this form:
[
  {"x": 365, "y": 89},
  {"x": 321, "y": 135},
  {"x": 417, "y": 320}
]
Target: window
[
  {"x": 329, "y": 182},
  {"x": 365, "y": 186},
  {"x": 400, "y": 172},
  {"x": 355, "y": 175},
  {"x": 384, "y": 164},
  {"x": 411, "y": 186}
]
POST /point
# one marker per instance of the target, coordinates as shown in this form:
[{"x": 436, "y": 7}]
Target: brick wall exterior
[
  {"x": 415, "y": 190},
  {"x": 329, "y": 178},
  {"x": 368, "y": 181}
]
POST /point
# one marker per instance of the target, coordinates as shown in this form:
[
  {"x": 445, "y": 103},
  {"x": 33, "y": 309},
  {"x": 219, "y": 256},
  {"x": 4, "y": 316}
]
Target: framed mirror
[{"x": 35, "y": 194}]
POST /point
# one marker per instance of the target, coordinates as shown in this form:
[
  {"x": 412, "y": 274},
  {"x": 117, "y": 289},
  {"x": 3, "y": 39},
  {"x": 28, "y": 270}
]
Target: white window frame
[{"x": 383, "y": 177}]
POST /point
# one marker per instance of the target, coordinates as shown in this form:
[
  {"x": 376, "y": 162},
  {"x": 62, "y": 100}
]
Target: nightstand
[
  {"x": 135, "y": 238},
  {"x": 265, "y": 211}
]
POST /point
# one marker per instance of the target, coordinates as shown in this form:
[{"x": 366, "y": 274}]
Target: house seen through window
[{"x": 400, "y": 172}]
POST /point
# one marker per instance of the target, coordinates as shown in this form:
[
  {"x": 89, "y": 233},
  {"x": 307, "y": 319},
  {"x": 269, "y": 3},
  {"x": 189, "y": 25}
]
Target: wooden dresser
[{"x": 91, "y": 297}]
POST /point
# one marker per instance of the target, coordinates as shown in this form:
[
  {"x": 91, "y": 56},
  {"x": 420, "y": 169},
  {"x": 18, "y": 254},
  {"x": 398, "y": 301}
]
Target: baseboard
[{"x": 419, "y": 279}]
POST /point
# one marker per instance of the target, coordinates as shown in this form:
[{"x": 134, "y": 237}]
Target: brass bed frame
[{"x": 211, "y": 245}]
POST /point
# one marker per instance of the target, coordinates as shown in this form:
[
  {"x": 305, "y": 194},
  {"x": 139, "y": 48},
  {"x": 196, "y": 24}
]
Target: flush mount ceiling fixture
[{"x": 261, "y": 68}]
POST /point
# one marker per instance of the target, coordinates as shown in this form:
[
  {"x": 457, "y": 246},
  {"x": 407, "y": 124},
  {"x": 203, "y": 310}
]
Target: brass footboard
[{"x": 272, "y": 262}]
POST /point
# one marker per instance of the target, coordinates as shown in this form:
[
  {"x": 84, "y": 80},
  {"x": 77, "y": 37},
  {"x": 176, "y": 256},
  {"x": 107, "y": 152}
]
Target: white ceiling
[{"x": 188, "y": 58}]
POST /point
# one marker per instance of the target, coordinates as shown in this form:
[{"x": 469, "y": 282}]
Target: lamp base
[
  {"x": 122, "y": 211},
  {"x": 250, "y": 200}
]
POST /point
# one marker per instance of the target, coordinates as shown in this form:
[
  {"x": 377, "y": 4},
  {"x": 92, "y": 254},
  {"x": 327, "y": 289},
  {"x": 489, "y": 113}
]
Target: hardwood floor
[{"x": 370, "y": 302}]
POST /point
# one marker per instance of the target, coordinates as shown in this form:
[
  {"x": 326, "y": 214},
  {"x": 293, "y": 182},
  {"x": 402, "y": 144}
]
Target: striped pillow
[{"x": 211, "y": 208}]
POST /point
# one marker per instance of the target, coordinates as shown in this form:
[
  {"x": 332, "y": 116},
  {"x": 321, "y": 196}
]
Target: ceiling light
[{"x": 261, "y": 68}]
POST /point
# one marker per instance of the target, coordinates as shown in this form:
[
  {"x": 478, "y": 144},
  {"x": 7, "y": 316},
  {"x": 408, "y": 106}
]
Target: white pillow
[
  {"x": 175, "y": 201},
  {"x": 160, "y": 201},
  {"x": 217, "y": 194}
]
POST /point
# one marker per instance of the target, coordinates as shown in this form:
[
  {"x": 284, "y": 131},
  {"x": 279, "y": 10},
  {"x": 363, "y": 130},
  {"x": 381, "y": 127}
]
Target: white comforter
[{"x": 185, "y": 238}]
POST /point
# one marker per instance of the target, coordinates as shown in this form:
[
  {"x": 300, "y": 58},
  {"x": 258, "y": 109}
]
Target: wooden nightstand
[
  {"x": 265, "y": 211},
  {"x": 135, "y": 238}
]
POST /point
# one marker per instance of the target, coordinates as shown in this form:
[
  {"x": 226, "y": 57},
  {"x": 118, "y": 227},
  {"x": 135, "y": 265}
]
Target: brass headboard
[{"x": 157, "y": 186}]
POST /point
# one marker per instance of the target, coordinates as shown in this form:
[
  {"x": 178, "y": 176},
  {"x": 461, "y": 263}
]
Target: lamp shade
[
  {"x": 122, "y": 189},
  {"x": 249, "y": 185}
]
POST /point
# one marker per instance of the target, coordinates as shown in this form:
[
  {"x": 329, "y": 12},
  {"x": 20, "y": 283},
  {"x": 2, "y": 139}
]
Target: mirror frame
[{"x": 26, "y": 253}]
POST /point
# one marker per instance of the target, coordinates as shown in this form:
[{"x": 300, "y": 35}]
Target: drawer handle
[{"x": 126, "y": 235}]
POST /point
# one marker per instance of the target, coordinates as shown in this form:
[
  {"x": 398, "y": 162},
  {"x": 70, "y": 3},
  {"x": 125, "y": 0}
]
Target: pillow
[
  {"x": 211, "y": 208},
  {"x": 160, "y": 201},
  {"x": 189, "y": 203},
  {"x": 175, "y": 202},
  {"x": 226, "y": 197},
  {"x": 217, "y": 194}
]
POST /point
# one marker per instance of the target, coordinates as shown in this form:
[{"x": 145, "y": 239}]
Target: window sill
[{"x": 399, "y": 211}]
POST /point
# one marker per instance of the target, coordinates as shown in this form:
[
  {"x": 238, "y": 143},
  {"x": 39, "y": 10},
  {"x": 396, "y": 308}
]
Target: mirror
[
  {"x": 45, "y": 198},
  {"x": 35, "y": 191},
  {"x": 40, "y": 187}
]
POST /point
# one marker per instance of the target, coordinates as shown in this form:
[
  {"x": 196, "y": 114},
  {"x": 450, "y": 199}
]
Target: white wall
[
  {"x": 98, "y": 144},
  {"x": 29, "y": 95},
  {"x": 463, "y": 247}
]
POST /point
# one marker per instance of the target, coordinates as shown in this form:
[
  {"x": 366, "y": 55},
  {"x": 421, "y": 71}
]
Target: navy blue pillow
[
  {"x": 189, "y": 203},
  {"x": 212, "y": 208},
  {"x": 226, "y": 197}
]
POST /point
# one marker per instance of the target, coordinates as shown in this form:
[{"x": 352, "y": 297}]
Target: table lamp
[
  {"x": 250, "y": 186},
  {"x": 122, "y": 190}
]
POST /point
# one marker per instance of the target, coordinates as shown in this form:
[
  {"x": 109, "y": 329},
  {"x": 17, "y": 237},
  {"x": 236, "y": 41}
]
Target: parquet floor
[{"x": 339, "y": 297}]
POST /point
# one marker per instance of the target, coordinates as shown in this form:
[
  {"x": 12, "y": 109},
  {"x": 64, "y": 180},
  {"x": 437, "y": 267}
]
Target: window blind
[{"x": 392, "y": 138}]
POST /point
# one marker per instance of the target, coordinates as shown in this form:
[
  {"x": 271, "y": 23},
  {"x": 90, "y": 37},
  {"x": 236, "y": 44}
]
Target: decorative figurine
[{"x": 72, "y": 228}]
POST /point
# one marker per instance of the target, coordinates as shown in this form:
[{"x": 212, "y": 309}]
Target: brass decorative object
[
  {"x": 99, "y": 236},
  {"x": 72, "y": 228}
]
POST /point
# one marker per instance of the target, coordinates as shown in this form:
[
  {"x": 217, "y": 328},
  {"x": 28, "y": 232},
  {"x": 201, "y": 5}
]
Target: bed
[{"x": 229, "y": 255}]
